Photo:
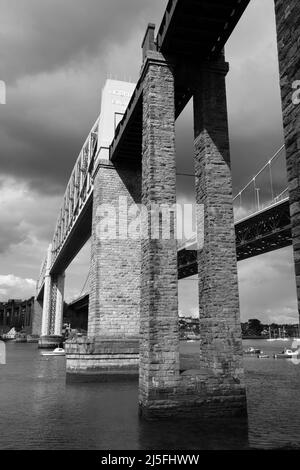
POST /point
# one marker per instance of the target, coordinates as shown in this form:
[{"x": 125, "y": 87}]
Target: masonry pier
[
  {"x": 216, "y": 386},
  {"x": 159, "y": 354},
  {"x": 288, "y": 34},
  {"x": 111, "y": 348}
]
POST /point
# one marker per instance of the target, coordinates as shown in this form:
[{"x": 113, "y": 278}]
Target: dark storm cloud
[
  {"x": 54, "y": 56},
  {"x": 64, "y": 48},
  {"x": 42, "y": 35},
  {"x": 9, "y": 237},
  {"x": 43, "y": 157}
]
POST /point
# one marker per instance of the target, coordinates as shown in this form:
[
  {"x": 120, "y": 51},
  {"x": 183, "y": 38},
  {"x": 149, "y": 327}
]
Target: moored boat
[
  {"x": 252, "y": 351},
  {"x": 287, "y": 354},
  {"x": 56, "y": 352}
]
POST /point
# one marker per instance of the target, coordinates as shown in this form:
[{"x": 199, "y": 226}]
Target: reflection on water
[{"x": 40, "y": 411}]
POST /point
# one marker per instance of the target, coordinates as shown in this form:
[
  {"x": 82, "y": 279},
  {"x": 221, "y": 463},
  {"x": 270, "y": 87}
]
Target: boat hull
[
  {"x": 53, "y": 354},
  {"x": 253, "y": 353},
  {"x": 286, "y": 356}
]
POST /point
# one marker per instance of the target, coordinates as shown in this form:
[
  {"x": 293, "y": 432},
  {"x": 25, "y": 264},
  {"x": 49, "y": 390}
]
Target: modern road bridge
[{"x": 129, "y": 156}]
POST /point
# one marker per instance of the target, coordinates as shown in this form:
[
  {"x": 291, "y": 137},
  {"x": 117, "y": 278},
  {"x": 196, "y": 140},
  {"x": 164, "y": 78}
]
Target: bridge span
[{"x": 129, "y": 156}]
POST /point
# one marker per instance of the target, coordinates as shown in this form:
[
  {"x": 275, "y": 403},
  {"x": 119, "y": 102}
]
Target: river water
[{"x": 40, "y": 411}]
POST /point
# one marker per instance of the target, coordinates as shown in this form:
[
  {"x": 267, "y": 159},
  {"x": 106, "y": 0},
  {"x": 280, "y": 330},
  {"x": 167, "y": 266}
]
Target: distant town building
[{"x": 16, "y": 313}]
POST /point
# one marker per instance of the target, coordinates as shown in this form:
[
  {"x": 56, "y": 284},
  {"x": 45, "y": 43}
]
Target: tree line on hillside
[
  {"x": 255, "y": 327},
  {"x": 189, "y": 328}
]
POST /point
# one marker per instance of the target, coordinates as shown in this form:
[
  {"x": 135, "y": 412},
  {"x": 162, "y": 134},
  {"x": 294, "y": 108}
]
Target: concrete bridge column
[
  {"x": 288, "y": 33},
  {"x": 112, "y": 346},
  {"x": 159, "y": 349},
  {"x": 221, "y": 355},
  {"x": 47, "y": 297}
]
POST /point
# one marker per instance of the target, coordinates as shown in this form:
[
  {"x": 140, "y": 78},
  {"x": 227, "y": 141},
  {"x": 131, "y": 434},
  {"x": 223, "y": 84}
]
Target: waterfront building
[{"x": 16, "y": 313}]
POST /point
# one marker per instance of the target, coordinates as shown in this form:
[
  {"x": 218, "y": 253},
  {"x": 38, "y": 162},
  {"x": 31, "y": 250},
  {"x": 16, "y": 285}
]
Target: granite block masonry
[
  {"x": 159, "y": 349},
  {"x": 220, "y": 330}
]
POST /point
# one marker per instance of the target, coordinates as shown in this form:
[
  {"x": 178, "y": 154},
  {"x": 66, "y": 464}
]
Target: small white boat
[
  {"x": 56, "y": 352},
  {"x": 263, "y": 356},
  {"x": 287, "y": 354},
  {"x": 253, "y": 351}
]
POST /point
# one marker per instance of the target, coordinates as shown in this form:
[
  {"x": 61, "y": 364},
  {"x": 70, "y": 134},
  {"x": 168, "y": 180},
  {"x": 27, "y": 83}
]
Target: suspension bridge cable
[
  {"x": 269, "y": 162},
  {"x": 86, "y": 281}
]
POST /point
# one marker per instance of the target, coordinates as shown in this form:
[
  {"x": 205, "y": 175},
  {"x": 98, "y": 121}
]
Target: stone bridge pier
[
  {"x": 288, "y": 34},
  {"x": 52, "y": 309}
]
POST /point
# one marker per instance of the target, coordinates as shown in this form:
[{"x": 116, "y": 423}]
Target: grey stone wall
[
  {"x": 159, "y": 343},
  {"x": 37, "y": 318},
  {"x": 288, "y": 34},
  {"x": 105, "y": 358}
]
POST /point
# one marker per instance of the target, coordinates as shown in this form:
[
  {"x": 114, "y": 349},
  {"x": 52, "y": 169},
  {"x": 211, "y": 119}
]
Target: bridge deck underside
[
  {"x": 194, "y": 29},
  {"x": 198, "y": 27}
]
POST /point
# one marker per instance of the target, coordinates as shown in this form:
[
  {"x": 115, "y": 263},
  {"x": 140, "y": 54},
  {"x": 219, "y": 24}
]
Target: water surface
[{"x": 40, "y": 411}]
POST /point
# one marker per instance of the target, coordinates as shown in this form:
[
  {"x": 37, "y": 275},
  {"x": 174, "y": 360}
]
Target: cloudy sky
[{"x": 55, "y": 56}]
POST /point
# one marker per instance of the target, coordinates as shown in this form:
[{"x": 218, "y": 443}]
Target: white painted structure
[{"x": 115, "y": 99}]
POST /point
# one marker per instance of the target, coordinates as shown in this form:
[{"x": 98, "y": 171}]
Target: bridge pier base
[
  {"x": 111, "y": 349},
  {"x": 102, "y": 359},
  {"x": 49, "y": 342},
  {"x": 159, "y": 351}
]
